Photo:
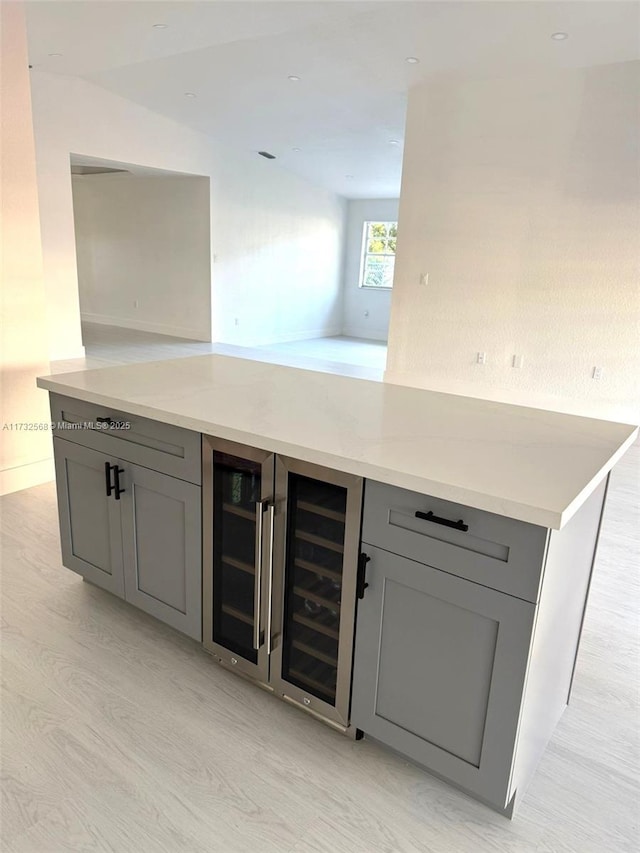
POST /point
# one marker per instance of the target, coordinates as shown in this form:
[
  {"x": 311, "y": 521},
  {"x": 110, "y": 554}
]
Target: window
[{"x": 378, "y": 254}]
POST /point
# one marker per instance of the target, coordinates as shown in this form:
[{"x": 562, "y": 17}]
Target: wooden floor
[{"x": 118, "y": 734}]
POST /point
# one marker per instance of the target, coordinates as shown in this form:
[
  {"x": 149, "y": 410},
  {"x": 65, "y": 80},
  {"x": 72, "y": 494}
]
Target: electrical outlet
[
  {"x": 517, "y": 361},
  {"x": 424, "y": 279},
  {"x": 236, "y": 321},
  {"x": 136, "y": 303},
  {"x": 597, "y": 373},
  {"x": 481, "y": 358}
]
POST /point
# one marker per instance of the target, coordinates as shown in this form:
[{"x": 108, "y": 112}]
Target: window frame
[{"x": 363, "y": 254}]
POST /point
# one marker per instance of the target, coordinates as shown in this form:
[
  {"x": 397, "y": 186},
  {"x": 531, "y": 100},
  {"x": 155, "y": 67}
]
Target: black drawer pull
[
  {"x": 104, "y": 420},
  {"x": 116, "y": 476},
  {"x": 446, "y": 522},
  {"x": 361, "y": 583},
  {"x": 107, "y": 477}
]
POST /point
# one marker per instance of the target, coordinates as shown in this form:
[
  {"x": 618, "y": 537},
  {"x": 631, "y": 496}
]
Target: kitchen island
[
  {"x": 464, "y": 594},
  {"x": 529, "y": 464}
]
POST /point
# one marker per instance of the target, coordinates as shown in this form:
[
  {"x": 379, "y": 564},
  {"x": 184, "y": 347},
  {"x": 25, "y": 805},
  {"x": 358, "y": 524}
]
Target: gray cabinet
[
  {"x": 161, "y": 537},
  {"x": 439, "y": 671},
  {"x": 467, "y": 635},
  {"x": 485, "y": 548},
  {"x": 90, "y": 530},
  {"x": 152, "y": 444},
  {"x": 143, "y": 543}
]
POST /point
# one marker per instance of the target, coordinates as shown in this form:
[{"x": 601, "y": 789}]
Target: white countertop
[{"x": 529, "y": 464}]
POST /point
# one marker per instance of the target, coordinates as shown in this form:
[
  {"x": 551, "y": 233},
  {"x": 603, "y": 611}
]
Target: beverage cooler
[{"x": 281, "y": 541}]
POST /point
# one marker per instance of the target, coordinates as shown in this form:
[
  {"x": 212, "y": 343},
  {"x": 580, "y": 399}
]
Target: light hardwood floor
[{"x": 119, "y": 734}]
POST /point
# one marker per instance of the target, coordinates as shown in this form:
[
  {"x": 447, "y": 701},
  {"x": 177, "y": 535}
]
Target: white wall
[
  {"x": 144, "y": 240},
  {"x": 24, "y": 453},
  {"x": 520, "y": 198},
  {"x": 358, "y": 300},
  {"x": 278, "y": 254},
  {"x": 266, "y": 224}
]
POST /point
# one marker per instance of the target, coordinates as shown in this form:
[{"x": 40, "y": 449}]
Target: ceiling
[
  {"x": 347, "y": 109},
  {"x": 83, "y": 165}
]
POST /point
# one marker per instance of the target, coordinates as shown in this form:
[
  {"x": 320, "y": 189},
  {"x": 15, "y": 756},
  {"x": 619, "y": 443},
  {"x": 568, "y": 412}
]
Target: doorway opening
[
  {"x": 144, "y": 265},
  {"x": 143, "y": 251}
]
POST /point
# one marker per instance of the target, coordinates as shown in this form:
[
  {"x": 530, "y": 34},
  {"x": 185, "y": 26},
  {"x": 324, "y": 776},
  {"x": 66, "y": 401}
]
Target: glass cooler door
[
  {"x": 238, "y": 489},
  {"x": 318, "y": 551}
]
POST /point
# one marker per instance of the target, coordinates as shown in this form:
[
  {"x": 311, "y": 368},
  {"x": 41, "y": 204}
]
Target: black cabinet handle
[
  {"x": 116, "y": 477},
  {"x": 361, "y": 583},
  {"x": 104, "y": 420},
  {"x": 446, "y": 522},
  {"x": 107, "y": 477}
]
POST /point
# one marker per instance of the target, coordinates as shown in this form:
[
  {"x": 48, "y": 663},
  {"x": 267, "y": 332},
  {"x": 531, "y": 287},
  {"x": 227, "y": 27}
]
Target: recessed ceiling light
[
  {"x": 190, "y": 95},
  {"x": 296, "y": 149},
  {"x": 559, "y": 36},
  {"x": 394, "y": 142},
  {"x": 55, "y": 54},
  {"x": 160, "y": 26},
  {"x": 293, "y": 78},
  {"x": 412, "y": 60}
]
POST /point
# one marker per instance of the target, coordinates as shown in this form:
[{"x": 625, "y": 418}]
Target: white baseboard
[
  {"x": 25, "y": 476},
  {"x": 144, "y": 326},
  {"x": 365, "y": 332},
  {"x": 304, "y": 335}
]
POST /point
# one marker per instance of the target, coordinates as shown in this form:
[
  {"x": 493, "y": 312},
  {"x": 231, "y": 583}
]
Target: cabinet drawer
[
  {"x": 162, "y": 447},
  {"x": 494, "y": 551}
]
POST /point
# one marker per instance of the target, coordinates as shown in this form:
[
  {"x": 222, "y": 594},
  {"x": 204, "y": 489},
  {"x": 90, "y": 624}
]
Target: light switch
[{"x": 518, "y": 361}]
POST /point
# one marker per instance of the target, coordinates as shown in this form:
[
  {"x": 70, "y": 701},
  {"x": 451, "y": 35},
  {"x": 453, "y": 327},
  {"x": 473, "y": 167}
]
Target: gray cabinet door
[
  {"x": 439, "y": 672},
  {"x": 90, "y": 531},
  {"x": 161, "y": 524}
]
